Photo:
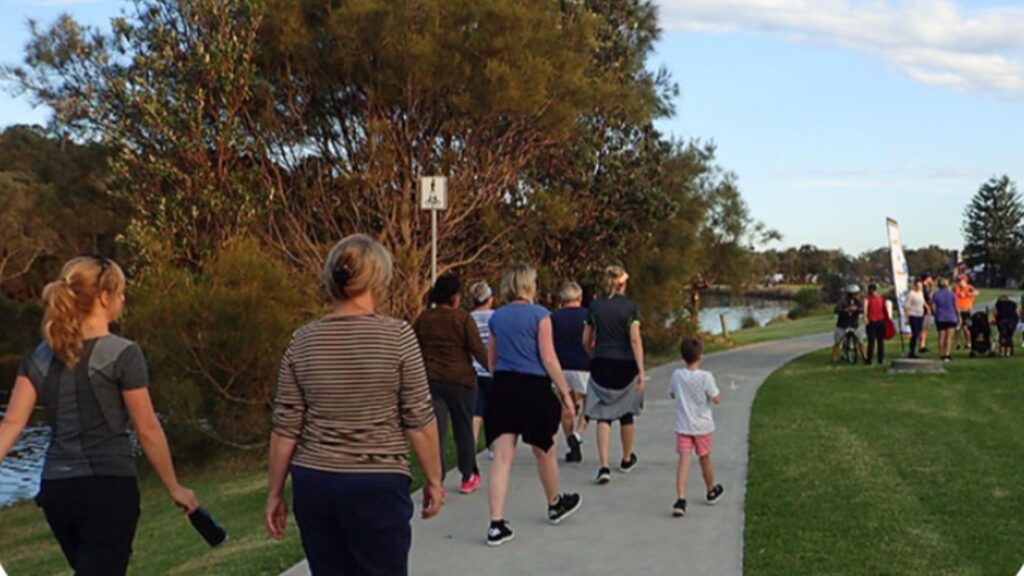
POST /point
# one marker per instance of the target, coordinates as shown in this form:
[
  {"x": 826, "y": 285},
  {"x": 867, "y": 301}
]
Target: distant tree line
[
  {"x": 808, "y": 263},
  {"x": 993, "y": 231}
]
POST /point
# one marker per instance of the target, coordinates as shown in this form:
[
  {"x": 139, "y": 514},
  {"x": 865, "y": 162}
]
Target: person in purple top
[
  {"x": 567, "y": 326},
  {"x": 946, "y": 317}
]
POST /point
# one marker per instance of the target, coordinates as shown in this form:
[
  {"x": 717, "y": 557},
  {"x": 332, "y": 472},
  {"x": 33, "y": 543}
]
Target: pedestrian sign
[{"x": 433, "y": 193}]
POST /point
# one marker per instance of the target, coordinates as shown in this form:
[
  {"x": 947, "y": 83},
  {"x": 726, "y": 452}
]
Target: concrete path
[{"x": 624, "y": 527}]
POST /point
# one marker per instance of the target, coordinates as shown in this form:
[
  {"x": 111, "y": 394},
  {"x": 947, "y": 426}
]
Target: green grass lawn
[
  {"x": 234, "y": 491},
  {"x": 989, "y": 296},
  {"x": 855, "y": 471}
]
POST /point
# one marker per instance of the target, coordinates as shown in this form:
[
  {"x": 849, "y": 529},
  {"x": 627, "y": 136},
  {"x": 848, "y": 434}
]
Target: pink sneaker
[{"x": 470, "y": 486}]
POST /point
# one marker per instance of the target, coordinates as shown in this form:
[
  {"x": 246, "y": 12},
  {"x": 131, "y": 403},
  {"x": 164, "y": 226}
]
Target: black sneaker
[
  {"x": 679, "y": 508},
  {"x": 715, "y": 494},
  {"x": 575, "y": 454},
  {"x": 922, "y": 350},
  {"x": 604, "y": 475},
  {"x": 499, "y": 533},
  {"x": 567, "y": 503},
  {"x": 627, "y": 467}
]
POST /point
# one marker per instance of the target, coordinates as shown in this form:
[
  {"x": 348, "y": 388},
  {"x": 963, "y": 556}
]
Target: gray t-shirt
[
  {"x": 693, "y": 391},
  {"x": 611, "y": 319},
  {"x": 84, "y": 406}
]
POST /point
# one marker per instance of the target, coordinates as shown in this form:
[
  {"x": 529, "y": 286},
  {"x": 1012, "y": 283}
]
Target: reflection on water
[
  {"x": 762, "y": 311},
  {"x": 20, "y": 471}
]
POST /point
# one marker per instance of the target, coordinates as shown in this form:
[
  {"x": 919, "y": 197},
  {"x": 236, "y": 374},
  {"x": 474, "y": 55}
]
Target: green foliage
[
  {"x": 214, "y": 340},
  {"x": 749, "y": 322},
  {"x": 19, "y": 326},
  {"x": 53, "y": 203},
  {"x": 808, "y": 298},
  {"x": 807, "y": 301},
  {"x": 994, "y": 230},
  {"x": 166, "y": 90},
  {"x": 833, "y": 286}
]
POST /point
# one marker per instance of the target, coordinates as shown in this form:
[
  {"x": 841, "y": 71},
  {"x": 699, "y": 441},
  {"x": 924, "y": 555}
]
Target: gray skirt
[{"x": 611, "y": 392}]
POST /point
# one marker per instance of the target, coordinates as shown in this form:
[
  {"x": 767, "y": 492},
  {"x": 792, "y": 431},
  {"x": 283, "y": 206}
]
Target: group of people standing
[{"x": 928, "y": 303}]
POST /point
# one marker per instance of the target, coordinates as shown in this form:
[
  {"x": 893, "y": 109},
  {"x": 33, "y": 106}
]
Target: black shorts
[
  {"x": 965, "y": 318},
  {"x": 613, "y": 374},
  {"x": 945, "y": 325},
  {"x": 1006, "y": 331},
  {"x": 524, "y": 405}
]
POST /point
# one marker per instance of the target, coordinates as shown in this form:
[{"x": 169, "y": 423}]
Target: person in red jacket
[{"x": 875, "y": 315}]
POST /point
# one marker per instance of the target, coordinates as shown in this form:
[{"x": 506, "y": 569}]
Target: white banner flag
[{"x": 900, "y": 271}]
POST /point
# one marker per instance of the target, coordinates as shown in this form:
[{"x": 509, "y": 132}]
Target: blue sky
[{"x": 833, "y": 113}]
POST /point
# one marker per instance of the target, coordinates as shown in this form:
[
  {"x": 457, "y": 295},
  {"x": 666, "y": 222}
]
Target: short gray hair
[
  {"x": 570, "y": 292},
  {"x": 481, "y": 292},
  {"x": 355, "y": 265},
  {"x": 519, "y": 283}
]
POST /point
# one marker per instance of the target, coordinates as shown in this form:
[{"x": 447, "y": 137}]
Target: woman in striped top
[{"x": 351, "y": 389}]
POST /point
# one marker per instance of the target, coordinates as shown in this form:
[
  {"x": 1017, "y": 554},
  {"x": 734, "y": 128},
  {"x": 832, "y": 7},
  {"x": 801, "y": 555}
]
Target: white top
[
  {"x": 693, "y": 391},
  {"x": 914, "y": 304},
  {"x": 482, "y": 317}
]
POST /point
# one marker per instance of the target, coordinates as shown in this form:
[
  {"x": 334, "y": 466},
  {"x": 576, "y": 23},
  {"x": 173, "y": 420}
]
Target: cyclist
[{"x": 848, "y": 312}]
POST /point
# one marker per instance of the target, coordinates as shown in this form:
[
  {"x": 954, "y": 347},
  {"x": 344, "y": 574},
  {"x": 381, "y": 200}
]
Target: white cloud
[{"x": 935, "y": 42}]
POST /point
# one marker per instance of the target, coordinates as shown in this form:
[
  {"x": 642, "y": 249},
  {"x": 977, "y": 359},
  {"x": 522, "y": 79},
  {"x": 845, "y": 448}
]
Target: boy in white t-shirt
[{"x": 694, "y": 391}]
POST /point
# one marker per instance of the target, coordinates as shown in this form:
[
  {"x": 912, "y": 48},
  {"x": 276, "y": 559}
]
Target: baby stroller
[{"x": 981, "y": 334}]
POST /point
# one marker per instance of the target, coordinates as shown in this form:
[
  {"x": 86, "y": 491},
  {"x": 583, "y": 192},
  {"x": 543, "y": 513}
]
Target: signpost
[{"x": 433, "y": 197}]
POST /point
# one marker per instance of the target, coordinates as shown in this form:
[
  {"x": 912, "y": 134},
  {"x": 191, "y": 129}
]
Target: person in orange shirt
[{"x": 965, "y": 295}]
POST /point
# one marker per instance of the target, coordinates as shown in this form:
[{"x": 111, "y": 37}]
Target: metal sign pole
[
  {"x": 433, "y": 197},
  {"x": 433, "y": 247}
]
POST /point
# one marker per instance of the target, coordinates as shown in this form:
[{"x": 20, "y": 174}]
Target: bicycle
[{"x": 851, "y": 346}]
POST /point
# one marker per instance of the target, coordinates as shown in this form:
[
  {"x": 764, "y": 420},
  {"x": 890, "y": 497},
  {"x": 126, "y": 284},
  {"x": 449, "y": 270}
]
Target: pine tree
[{"x": 994, "y": 230}]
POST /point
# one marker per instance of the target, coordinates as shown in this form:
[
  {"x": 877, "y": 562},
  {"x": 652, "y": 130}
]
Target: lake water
[
  {"x": 20, "y": 471},
  {"x": 737, "y": 310}
]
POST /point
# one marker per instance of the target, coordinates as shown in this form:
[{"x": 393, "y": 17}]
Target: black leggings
[
  {"x": 626, "y": 420},
  {"x": 94, "y": 520},
  {"x": 457, "y": 401}
]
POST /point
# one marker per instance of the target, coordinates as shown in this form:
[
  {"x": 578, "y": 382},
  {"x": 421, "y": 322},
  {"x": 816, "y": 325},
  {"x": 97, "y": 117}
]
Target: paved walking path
[{"x": 626, "y": 526}]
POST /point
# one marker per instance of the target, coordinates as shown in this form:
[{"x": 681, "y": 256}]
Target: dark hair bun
[{"x": 341, "y": 275}]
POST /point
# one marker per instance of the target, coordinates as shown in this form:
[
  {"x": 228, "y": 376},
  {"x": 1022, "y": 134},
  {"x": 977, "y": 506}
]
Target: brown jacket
[{"x": 448, "y": 338}]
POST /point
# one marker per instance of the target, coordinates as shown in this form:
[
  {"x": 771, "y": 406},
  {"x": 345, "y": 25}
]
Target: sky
[{"x": 834, "y": 114}]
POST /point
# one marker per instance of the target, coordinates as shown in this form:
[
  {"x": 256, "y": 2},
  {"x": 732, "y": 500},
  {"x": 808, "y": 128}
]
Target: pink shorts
[{"x": 686, "y": 444}]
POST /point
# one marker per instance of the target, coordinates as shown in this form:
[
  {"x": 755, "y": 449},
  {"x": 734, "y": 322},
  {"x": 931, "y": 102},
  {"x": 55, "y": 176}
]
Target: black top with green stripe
[{"x": 612, "y": 318}]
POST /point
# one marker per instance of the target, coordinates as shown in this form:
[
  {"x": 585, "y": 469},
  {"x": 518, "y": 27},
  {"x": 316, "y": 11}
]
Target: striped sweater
[{"x": 347, "y": 388}]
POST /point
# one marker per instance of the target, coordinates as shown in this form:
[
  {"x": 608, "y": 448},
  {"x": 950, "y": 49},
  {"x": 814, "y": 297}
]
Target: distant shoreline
[{"x": 784, "y": 292}]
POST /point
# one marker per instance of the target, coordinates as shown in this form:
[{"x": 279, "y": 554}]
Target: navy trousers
[{"x": 353, "y": 524}]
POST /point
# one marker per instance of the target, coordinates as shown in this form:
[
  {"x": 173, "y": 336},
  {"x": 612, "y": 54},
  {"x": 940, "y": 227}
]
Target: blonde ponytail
[
  {"x": 615, "y": 279},
  {"x": 71, "y": 298},
  {"x": 62, "y": 327}
]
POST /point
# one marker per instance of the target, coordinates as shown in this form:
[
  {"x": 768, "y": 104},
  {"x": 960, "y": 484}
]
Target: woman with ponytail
[
  {"x": 611, "y": 335},
  {"x": 90, "y": 383}
]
